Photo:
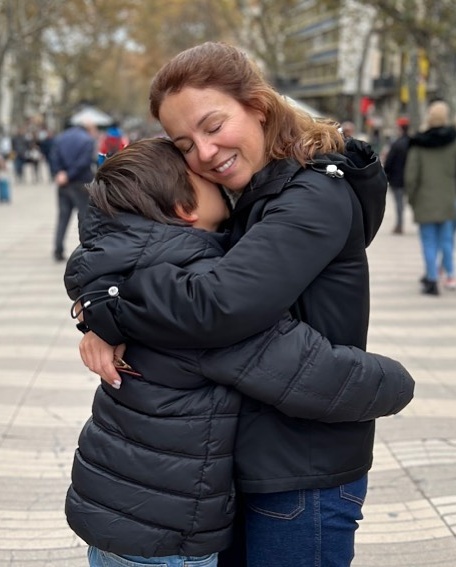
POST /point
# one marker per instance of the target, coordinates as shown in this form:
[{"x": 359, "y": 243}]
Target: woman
[
  {"x": 299, "y": 233},
  {"x": 430, "y": 174}
]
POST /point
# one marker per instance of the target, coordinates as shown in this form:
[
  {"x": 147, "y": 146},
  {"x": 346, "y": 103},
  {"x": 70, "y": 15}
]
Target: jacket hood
[
  {"x": 434, "y": 137},
  {"x": 120, "y": 244},
  {"x": 360, "y": 166}
]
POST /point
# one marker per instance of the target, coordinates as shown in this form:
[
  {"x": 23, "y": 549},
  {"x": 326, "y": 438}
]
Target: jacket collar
[
  {"x": 270, "y": 180},
  {"x": 434, "y": 137}
]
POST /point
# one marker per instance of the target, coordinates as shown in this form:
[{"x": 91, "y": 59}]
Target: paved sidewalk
[{"x": 46, "y": 394}]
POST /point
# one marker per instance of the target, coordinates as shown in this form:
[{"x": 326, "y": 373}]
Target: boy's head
[{"x": 151, "y": 178}]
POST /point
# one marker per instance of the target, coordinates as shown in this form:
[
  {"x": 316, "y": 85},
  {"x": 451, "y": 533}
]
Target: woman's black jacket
[{"x": 304, "y": 246}]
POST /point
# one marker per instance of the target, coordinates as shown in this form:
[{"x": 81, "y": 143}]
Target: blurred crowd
[
  {"x": 28, "y": 150},
  {"x": 35, "y": 153},
  {"x": 67, "y": 159}
]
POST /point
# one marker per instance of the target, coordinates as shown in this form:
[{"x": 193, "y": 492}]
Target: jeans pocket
[
  {"x": 100, "y": 558},
  {"x": 279, "y": 505},
  {"x": 355, "y": 491},
  {"x": 206, "y": 561}
]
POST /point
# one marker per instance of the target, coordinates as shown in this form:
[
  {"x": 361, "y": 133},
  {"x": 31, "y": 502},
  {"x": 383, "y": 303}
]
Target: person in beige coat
[{"x": 430, "y": 181}]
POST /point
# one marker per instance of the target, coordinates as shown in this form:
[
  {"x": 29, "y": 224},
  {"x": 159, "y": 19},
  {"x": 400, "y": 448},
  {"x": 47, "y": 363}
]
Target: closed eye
[
  {"x": 215, "y": 129},
  {"x": 186, "y": 150}
]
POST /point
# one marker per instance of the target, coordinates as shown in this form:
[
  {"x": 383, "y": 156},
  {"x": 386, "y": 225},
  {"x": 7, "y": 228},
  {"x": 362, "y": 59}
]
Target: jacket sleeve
[
  {"x": 72, "y": 277},
  {"x": 249, "y": 289},
  {"x": 412, "y": 175},
  {"x": 109, "y": 252},
  {"x": 296, "y": 370}
]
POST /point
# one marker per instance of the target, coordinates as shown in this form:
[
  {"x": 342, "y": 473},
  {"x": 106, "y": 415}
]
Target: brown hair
[
  {"x": 147, "y": 178},
  {"x": 289, "y": 132}
]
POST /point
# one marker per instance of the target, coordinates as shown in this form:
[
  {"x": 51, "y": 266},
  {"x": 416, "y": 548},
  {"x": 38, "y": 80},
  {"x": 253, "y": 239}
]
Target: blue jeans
[
  {"x": 435, "y": 238},
  {"x": 304, "y": 528},
  {"x": 98, "y": 558}
]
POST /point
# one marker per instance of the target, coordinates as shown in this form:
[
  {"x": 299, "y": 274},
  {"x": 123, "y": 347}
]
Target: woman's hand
[{"x": 98, "y": 356}]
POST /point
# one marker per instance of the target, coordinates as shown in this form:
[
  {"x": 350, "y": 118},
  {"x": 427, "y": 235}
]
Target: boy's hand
[{"x": 98, "y": 356}]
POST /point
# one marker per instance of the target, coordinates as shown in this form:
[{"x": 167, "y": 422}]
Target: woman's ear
[
  {"x": 187, "y": 217},
  {"x": 261, "y": 117}
]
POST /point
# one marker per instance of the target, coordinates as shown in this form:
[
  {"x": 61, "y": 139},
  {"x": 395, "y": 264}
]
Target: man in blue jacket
[{"x": 71, "y": 161}]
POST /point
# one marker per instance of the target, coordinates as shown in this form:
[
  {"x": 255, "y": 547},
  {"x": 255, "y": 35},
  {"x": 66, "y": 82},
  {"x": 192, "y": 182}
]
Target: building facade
[{"x": 339, "y": 60}]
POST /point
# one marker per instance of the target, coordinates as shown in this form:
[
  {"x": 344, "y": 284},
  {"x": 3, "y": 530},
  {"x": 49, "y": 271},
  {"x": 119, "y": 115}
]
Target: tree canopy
[{"x": 106, "y": 51}]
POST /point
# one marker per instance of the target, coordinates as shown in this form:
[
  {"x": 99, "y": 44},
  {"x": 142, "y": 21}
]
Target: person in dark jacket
[
  {"x": 19, "y": 146},
  {"x": 71, "y": 163},
  {"x": 306, "y": 207},
  {"x": 148, "y": 207},
  {"x": 394, "y": 169},
  {"x": 430, "y": 174}
]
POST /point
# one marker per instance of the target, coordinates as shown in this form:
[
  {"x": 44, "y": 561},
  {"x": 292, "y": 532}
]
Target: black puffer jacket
[
  {"x": 152, "y": 475},
  {"x": 304, "y": 246}
]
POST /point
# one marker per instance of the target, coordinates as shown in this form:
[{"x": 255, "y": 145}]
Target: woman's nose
[{"x": 206, "y": 150}]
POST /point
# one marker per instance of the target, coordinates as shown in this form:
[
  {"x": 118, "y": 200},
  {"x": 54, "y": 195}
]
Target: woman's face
[{"x": 220, "y": 139}]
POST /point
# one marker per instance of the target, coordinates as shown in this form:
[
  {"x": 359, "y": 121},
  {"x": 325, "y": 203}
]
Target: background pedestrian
[
  {"x": 394, "y": 168},
  {"x": 72, "y": 162},
  {"x": 430, "y": 177}
]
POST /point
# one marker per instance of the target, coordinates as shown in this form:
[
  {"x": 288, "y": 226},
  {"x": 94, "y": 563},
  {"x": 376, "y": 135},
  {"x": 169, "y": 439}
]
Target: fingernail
[{"x": 117, "y": 384}]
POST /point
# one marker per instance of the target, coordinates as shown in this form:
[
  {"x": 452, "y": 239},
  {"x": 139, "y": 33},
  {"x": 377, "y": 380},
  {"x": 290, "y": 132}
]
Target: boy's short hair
[{"x": 148, "y": 178}]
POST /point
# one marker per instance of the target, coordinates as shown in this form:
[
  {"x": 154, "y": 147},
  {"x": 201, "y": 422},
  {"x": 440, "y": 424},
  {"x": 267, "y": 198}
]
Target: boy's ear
[{"x": 187, "y": 217}]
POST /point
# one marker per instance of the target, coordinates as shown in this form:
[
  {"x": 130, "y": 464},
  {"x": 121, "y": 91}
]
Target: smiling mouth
[{"x": 226, "y": 165}]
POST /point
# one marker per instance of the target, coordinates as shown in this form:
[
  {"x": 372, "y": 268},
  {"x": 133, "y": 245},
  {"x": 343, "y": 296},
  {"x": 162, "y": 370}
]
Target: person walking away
[
  {"x": 430, "y": 177},
  {"x": 19, "y": 145},
  {"x": 394, "y": 168},
  {"x": 72, "y": 161},
  {"x": 33, "y": 158}
]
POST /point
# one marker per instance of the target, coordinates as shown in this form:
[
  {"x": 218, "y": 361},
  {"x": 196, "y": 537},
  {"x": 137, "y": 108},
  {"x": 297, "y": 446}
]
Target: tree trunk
[
  {"x": 412, "y": 83},
  {"x": 357, "y": 115}
]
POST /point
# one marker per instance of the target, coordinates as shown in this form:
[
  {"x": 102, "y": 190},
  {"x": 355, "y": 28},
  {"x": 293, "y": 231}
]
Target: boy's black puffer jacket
[{"x": 153, "y": 473}]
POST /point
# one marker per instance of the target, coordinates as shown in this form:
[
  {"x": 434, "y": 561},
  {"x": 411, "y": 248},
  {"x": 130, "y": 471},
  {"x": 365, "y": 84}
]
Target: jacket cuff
[
  {"x": 99, "y": 318},
  {"x": 82, "y": 326}
]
